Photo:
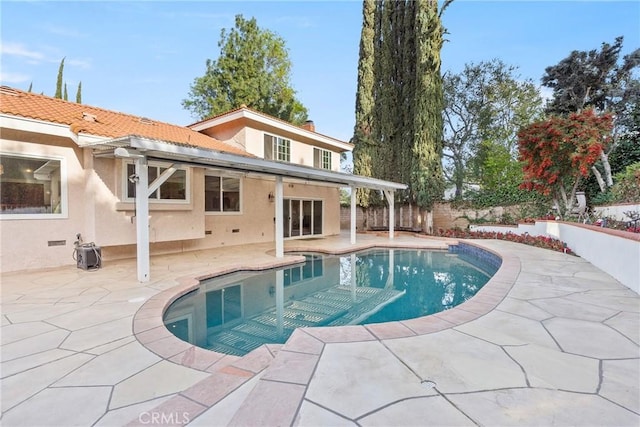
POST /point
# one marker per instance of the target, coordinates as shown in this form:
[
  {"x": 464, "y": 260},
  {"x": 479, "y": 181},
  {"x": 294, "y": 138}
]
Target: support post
[
  {"x": 142, "y": 219},
  {"x": 392, "y": 212},
  {"x": 279, "y": 218},
  {"x": 353, "y": 215}
]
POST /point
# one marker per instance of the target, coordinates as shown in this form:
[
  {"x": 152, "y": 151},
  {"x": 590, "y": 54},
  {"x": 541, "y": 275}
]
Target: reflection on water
[{"x": 237, "y": 313}]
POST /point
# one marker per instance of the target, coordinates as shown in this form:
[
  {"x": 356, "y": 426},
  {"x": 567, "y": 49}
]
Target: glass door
[
  {"x": 295, "y": 218},
  {"x": 302, "y": 217}
]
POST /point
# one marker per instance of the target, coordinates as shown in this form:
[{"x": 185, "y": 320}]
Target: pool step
[{"x": 339, "y": 305}]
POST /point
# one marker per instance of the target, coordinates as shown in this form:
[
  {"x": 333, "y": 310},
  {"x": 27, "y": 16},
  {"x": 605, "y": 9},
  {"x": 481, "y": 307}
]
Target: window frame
[
  {"x": 221, "y": 176},
  {"x": 64, "y": 189},
  {"x": 158, "y": 165},
  {"x": 279, "y": 145},
  {"x": 323, "y": 159}
]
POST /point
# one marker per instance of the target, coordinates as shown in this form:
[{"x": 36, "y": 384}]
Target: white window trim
[
  {"x": 323, "y": 152},
  {"x": 241, "y": 190},
  {"x": 64, "y": 197},
  {"x": 274, "y": 147},
  {"x": 125, "y": 181}
]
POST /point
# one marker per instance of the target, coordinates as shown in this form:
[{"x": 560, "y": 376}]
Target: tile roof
[{"x": 96, "y": 121}]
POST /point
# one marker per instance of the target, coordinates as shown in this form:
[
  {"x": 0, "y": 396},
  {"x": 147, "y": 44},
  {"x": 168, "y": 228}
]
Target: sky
[{"x": 141, "y": 57}]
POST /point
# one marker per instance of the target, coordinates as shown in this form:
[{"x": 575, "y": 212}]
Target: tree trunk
[
  {"x": 607, "y": 168},
  {"x": 598, "y": 176}
]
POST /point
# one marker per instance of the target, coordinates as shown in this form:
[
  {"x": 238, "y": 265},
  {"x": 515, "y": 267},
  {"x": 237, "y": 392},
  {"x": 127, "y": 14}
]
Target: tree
[
  {"x": 59, "y": 80},
  {"x": 253, "y": 69},
  {"x": 557, "y": 153},
  {"x": 79, "y": 94},
  {"x": 66, "y": 94},
  {"x": 485, "y": 106},
  {"x": 427, "y": 182},
  {"x": 596, "y": 79},
  {"x": 30, "y": 87},
  {"x": 363, "y": 138},
  {"x": 398, "y": 132}
]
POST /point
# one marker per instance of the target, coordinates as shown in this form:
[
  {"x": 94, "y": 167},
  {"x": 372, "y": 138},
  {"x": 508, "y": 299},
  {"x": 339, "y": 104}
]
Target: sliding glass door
[{"x": 302, "y": 217}]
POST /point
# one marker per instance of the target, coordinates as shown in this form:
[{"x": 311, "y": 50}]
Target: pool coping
[{"x": 228, "y": 372}]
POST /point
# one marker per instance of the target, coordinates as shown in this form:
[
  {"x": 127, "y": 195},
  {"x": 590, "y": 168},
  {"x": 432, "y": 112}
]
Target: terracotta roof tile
[{"x": 96, "y": 121}]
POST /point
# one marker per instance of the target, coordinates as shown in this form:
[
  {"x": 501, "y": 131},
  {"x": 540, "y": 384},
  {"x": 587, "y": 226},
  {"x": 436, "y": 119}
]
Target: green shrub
[{"x": 626, "y": 187}]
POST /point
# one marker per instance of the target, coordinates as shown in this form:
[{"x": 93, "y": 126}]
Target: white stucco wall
[
  {"x": 617, "y": 211},
  {"x": 617, "y": 256}
]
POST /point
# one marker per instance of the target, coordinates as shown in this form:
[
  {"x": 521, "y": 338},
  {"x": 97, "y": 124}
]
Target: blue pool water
[{"x": 238, "y": 312}]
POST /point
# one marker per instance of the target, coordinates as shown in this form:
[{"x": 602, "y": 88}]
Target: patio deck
[{"x": 550, "y": 340}]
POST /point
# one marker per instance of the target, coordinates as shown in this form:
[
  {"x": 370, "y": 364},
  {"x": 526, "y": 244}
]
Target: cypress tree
[
  {"x": 66, "y": 96},
  {"x": 405, "y": 134},
  {"x": 79, "y": 94},
  {"x": 30, "y": 87},
  {"x": 363, "y": 140},
  {"x": 427, "y": 183},
  {"x": 59, "y": 81},
  {"x": 407, "y": 93}
]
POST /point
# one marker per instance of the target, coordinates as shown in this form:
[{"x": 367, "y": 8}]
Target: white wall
[
  {"x": 616, "y": 211},
  {"x": 605, "y": 249}
]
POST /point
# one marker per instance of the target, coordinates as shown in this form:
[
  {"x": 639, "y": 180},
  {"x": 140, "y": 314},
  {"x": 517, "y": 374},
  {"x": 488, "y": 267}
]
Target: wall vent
[{"x": 57, "y": 243}]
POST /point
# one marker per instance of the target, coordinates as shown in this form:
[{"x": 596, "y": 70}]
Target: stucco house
[{"x": 69, "y": 169}]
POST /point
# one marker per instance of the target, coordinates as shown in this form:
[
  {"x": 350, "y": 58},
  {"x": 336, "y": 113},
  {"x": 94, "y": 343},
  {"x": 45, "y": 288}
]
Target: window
[
  {"x": 221, "y": 194},
  {"x": 276, "y": 148},
  {"x": 173, "y": 189},
  {"x": 322, "y": 158},
  {"x": 32, "y": 187}
]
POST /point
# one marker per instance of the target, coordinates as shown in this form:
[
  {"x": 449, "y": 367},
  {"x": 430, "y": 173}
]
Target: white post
[
  {"x": 353, "y": 215},
  {"x": 279, "y": 218},
  {"x": 142, "y": 219},
  {"x": 392, "y": 212}
]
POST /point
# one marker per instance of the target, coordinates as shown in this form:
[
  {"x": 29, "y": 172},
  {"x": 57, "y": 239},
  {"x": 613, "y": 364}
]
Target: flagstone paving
[{"x": 550, "y": 340}]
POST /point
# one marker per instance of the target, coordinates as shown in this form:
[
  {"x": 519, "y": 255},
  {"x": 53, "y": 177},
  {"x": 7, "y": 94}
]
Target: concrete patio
[{"x": 549, "y": 341}]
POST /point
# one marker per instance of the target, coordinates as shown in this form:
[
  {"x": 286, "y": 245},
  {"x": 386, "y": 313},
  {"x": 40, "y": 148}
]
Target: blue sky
[{"x": 141, "y": 57}]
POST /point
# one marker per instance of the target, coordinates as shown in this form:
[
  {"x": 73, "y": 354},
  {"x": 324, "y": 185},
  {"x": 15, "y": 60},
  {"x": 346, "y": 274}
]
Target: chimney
[{"x": 309, "y": 125}]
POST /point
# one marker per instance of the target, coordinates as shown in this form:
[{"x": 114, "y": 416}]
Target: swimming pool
[{"x": 238, "y": 312}]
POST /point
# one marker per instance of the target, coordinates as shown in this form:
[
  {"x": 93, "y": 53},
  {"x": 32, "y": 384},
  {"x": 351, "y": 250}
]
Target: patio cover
[{"x": 141, "y": 150}]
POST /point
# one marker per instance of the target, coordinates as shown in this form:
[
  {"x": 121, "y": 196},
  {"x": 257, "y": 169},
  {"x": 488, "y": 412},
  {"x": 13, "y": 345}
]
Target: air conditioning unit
[{"x": 89, "y": 257}]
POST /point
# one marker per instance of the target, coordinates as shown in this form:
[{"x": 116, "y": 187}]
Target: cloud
[
  {"x": 80, "y": 63},
  {"x": 17, "y": 49},
  {"x": 8, "y": 77},
  {"x": 64, "y": 31}
]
